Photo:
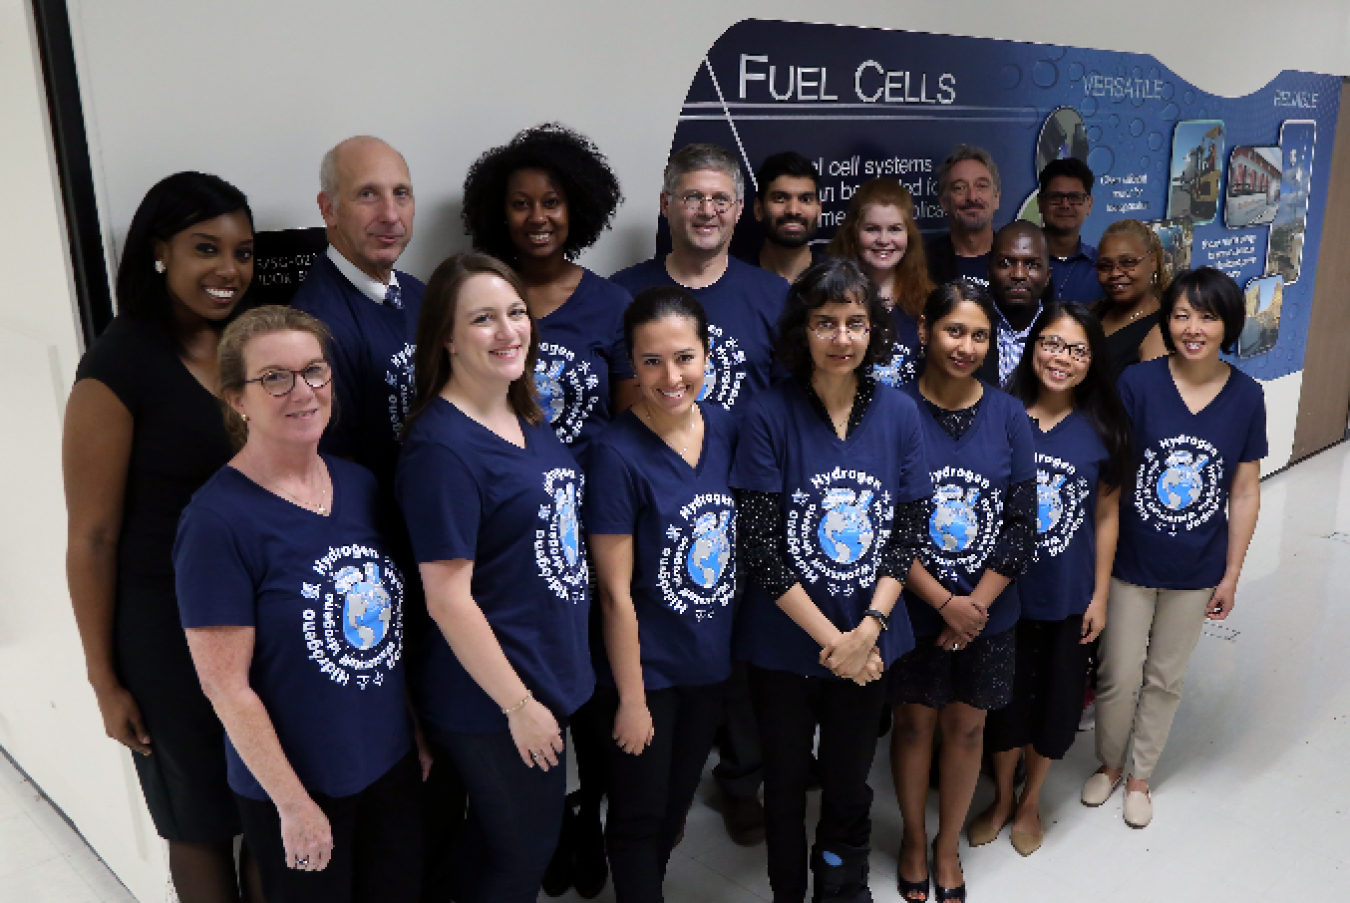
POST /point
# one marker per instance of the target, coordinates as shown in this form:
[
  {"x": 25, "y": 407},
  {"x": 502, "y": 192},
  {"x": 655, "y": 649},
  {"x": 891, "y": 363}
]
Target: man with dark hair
[
  {"x": 788, "y": 209},
  {"x": 1019, "y": 283},
  {"x": 969, "y": 192},
  {"x": 1066, "y": 202}
]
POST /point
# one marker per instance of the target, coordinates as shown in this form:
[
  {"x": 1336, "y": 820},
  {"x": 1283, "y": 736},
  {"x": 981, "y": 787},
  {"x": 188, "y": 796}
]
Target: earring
[
  {"x": 243, "y": 417},
  {"x": 923, "y": 350},
  {"x": 159, "y": 266}
]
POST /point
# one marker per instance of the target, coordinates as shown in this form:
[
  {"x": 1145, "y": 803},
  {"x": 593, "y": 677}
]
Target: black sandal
[
  {"x": 946, "y": 893},
  {"x": 911, "y": 887}
]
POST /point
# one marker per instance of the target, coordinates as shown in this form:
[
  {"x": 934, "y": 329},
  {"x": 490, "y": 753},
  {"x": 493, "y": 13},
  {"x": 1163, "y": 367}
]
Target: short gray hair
[
  {"x": 328, "y": 176},
  {"x": 960, "y": 154},
  {"x": 693, "y": 157}
]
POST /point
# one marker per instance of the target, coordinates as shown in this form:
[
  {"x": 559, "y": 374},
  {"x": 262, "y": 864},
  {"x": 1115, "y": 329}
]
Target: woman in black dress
[
  {"x": 1132, "y": 269},
  {"x": 143, "y": 432}
]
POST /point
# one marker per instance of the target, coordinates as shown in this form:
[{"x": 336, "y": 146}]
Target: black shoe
[
  {"x": 590, "y": 869},
  {"x": 744, "y": 819},
  {"x": 946, "y": 893},
  {"x": 840, "y": 874},
  {"x": 909, "y": 888},
  {"x": 558, "y": 878}
]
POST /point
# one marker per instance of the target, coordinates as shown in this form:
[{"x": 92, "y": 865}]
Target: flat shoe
[
  {"x": 1027, "y": 842},
  {"x": 1098, "y": 788},
  {"x": 1138, "y": 808},
  {"x": 982, "y": 829}
]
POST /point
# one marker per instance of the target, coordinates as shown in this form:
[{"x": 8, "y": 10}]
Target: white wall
[{"x": 256, "y": 90}]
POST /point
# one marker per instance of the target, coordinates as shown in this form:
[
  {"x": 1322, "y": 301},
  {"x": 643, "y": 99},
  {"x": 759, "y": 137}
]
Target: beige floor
[{"x": 1251, "y": 797}]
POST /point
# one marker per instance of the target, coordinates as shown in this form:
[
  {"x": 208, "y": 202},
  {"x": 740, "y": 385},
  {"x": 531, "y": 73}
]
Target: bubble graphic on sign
[
  {"x": 1010, "y": 76},
  {"x": 1137, "y": 127},
  {"x": 1045, "y": 74},
  {"x": 1155, "y": 141},
  {"x": 1088, "y": 108},
  {"x": 1101, "y": 159},
  {"x": 1188, "y": 98},
  {"x": 1094, "y": 133},
  {"x": 1075, "y": 72}
]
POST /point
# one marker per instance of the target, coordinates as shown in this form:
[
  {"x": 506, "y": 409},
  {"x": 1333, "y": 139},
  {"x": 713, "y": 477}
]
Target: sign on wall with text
[{"x": 1237, "y": 183}]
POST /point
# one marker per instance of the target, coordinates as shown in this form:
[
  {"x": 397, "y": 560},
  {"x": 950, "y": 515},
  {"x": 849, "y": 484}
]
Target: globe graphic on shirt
[
  {"x": 1049, "y": 503},
  {"x": 710, "y": 551},
  {"x": 845, "y": 532},
  {"x": 953, "y": 526},
  {"x": 552, "y": 396},
  {"x": 366, "y": 605},
  {"x": 569, "y": 532},
  {"x": 1180, "y": 485}
]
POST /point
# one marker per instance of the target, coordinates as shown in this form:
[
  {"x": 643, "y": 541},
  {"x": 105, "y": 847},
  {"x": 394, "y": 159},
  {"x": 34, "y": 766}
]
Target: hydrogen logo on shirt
[
  {"x": 402, "y": 382},
  {"x": 1061, "y": 496},
  {"x": 559, "y": 550},
  {"x": 900, "y": 369},
  {"x": 566, "y": 389},
  {"x": 962, "y": 527},
  {"x": 355, "y": 635},
  {"x": 1177, "y": 487},
  {"x": 725, "y": 370},
  {"x": 836, "y": 530},
  {"x": 698, "y": 560}
]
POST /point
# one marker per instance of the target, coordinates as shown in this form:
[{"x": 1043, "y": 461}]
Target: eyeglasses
[
  {"x": 1072, "y": 198},
  {"x": 827, "y": 331},
  {"x": 279, "y": 383},
  {"x": 1126, "y": 264},
  {"x": 693, "y": 201},
  {"x": 1053, "y": 344}
]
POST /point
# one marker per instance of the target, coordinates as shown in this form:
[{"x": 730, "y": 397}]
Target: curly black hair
[
  {"x": 832, "y": 280},
  {"x": 578, "y": 170}
]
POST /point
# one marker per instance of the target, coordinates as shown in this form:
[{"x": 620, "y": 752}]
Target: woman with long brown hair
[
  {"x": 492, "y": 499},
  {"x": 880, "y": 234}
]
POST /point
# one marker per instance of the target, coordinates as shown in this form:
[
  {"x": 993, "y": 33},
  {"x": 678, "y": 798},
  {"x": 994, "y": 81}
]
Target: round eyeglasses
[
  {"x": 828, "y": 331},
  {"x": 1053, "y": 344},
  {"x": 278, "y": 383}
]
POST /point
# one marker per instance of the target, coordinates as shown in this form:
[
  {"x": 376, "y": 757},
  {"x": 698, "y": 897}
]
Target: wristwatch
[{"x": 881, "y": 619}]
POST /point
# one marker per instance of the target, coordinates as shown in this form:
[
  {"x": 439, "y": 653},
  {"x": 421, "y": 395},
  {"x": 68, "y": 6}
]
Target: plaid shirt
[{"x": 1010, "y": 345}]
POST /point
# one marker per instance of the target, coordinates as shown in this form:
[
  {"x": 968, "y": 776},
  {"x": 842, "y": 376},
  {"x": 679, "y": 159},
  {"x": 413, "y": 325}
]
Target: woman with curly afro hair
[{"x": 537, "y": 202}]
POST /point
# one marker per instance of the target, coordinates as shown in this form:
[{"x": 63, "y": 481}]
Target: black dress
[
  {"x": 1123, "y": 344},
  {"x": 178, "y": 442}
]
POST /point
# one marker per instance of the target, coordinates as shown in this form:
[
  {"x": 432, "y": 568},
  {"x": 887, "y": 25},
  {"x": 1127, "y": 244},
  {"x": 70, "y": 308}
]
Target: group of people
[{"x": 349, "y": 574}]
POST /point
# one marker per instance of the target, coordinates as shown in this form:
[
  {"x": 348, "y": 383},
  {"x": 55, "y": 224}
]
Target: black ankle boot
[
  {"x": 840, "y": 874},
  {"x": 590, "y": 871},
  {"x": 558, "y": 879}
]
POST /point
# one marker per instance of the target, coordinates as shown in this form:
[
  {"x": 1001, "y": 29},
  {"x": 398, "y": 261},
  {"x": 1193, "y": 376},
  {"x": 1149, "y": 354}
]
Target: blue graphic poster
[{"x": 864, "y": 103}]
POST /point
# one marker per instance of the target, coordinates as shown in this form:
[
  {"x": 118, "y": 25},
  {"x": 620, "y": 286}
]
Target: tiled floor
[{"x": 1251, "y": 798}]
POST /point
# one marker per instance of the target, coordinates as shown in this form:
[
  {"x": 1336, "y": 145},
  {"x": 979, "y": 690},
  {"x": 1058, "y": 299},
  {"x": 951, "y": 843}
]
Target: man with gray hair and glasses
[
  {"x": 702, "y": 198},
  {"x": 968, "y": 191}
]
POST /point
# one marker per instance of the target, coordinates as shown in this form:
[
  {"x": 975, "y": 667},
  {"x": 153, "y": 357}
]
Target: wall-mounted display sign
[{"x": 1228, "y": 182}]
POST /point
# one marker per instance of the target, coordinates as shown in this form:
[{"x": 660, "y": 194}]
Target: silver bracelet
[{"x": 520, "y": 705}]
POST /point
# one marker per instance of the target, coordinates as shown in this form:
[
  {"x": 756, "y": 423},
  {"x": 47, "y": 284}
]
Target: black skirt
[
  {"x": 979, "y": 674},
  {"x": 184, "y": 778},
  {"x": 1048, "y": 688}
]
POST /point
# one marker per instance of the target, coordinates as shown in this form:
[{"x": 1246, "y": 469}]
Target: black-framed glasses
[
  {"x": 693, "y": 201},
  {"x": 278, "y": 383},
  {"x": 827, "y": 330},
  {"x": 1072, "y": 198},
  {"x": 1127, "y": 264},
  {"x": 1053, "y": 344}
]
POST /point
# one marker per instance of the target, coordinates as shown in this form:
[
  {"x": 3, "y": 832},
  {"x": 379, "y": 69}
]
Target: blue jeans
[{"x": 515, "y": 814}]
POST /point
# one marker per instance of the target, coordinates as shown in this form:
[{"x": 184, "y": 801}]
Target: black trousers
[
  {"x": 789, "y": 708},
  {"x": 650, "y": 793},
  {"x": 377, "y": 844},
  {"x": 740, "y": 767}
]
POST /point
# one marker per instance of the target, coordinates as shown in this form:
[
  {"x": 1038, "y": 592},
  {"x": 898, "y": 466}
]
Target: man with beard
[
  {"x": 968, "y": 191},
  {"x": 1066, "y": 202},
  {"x": 1019, "y": 282},
  {"x": 788, "y": 209}
]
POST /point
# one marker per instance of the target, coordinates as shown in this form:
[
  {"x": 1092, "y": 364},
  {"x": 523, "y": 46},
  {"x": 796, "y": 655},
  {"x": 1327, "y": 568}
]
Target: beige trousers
[{"x": 1149, "y": 637}]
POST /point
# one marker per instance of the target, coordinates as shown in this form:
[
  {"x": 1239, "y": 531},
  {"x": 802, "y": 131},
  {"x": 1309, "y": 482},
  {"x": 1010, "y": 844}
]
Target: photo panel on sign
[
  {"x": 1175, "y": 236},
  {"x": 1253, "y": 193},
  {"x": 1264, "y": 299},
  {"x": 1284, "y": 254},
  {"x": 1197, "y": 170}
]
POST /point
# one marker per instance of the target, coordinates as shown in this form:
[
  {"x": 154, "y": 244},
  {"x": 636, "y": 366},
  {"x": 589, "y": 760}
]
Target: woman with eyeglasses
[
  {"x": 833, "y": 498},
  {"x": 880, "y": 234},
  {"x": 143, "y": 432},
  {"x": 1082, "y": 458},
  {"x": 294, "y": 614},
  {"x": 493, "y": 499},
  {"x": 1132, "y": 269},
  {"x": 961, "y": 597},
  {"x": 1186, "y": 520}
]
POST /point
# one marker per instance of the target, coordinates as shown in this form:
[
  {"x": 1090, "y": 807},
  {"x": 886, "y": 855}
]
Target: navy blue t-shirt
[
  {"x": 1174, "y": 518},
  {"x": 516, "y": 514},
  {"x": 971, "y": 480},
  {"x": 582, "y": 355},
  {"x": 372, "y": 358},
  {"x": 1075, "y": 277},
  {"x": 743, "y": 308},
  {"x": 839, "y": 499},
  {"x": 683, "y": 523},
  {"x": 1061, "y": 578},
  {"x": 974, "y": 269},
  {"x": 326, "y": 605},
  {"x": 903, "y": 366}
]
